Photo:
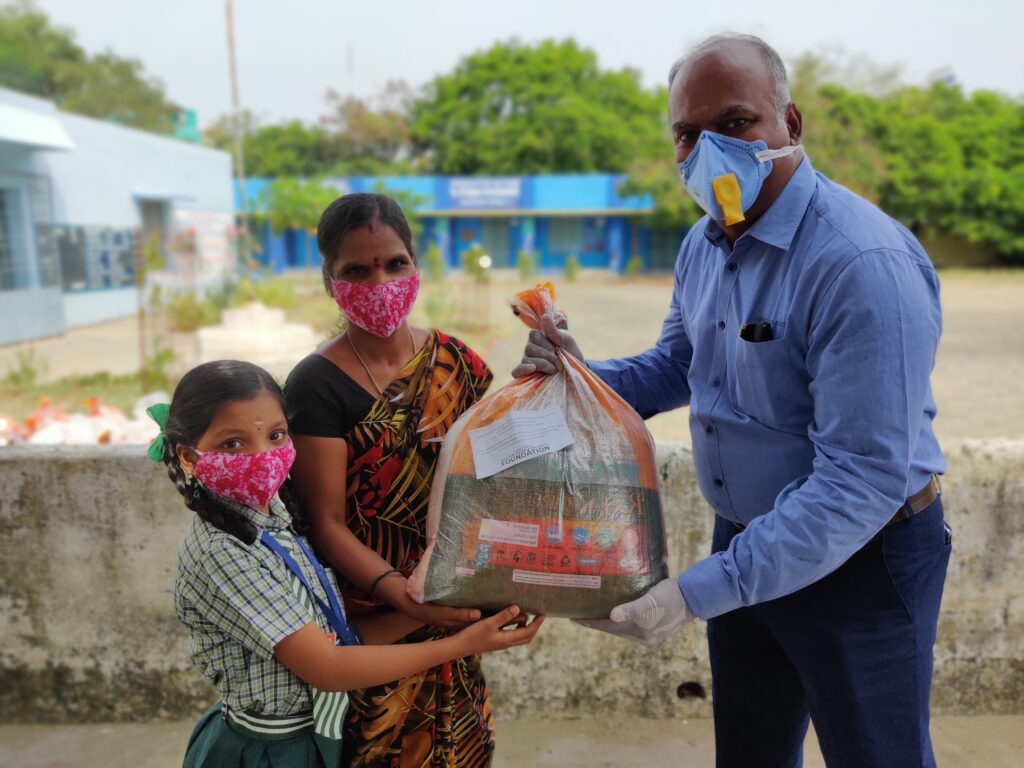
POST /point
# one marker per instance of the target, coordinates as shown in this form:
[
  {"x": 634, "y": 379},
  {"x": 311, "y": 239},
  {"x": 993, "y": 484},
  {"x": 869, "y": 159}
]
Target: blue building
[
  {"x": 79, "y": 197},
  {"x": 551, "y": 216}
]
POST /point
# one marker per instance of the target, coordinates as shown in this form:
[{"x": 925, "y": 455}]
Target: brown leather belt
[{"x": 919, "y": 501}]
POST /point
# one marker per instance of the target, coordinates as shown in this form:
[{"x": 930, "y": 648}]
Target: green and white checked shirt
[{"x": 237, "y": 602}]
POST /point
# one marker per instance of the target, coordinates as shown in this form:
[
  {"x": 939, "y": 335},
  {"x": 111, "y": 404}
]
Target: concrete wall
[{"x": 87, "y": 631}]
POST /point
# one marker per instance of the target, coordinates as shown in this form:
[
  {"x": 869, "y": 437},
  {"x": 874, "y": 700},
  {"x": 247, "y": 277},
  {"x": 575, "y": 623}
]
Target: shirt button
[
  {"x": 718, "y": 482},
  {"x": 709, "y": 429},
  {"x": 721, "y": 324},
  {"x": 716, "y": 382},
  {"x": 732, "y": 266}
]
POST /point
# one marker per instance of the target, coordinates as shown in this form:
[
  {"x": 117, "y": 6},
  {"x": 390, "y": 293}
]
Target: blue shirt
[{"x": 814, "y": 439}]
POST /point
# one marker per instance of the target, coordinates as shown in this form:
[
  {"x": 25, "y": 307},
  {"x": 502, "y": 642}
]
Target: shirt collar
[
  {"x": 779, "y": 223},
  {"x": 277, "y": 520}
]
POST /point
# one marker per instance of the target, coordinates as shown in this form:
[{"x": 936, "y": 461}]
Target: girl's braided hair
[{"x": 200, "y": 394}]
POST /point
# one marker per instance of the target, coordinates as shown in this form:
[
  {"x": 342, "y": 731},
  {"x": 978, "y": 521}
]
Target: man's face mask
[{"x": 724, "y": 175}]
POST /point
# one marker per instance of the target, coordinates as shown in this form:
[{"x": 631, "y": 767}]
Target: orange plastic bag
[{"x": 570, "y": 533}]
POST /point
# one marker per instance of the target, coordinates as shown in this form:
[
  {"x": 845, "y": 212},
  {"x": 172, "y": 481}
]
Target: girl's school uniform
[{"x": 238, "y": 601}]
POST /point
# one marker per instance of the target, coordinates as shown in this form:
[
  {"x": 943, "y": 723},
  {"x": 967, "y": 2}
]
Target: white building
[{"x": 78, "y": 199}]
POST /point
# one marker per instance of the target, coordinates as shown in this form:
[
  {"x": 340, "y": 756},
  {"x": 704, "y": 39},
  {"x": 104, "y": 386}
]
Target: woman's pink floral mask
[{"x": 378, "y": 308}]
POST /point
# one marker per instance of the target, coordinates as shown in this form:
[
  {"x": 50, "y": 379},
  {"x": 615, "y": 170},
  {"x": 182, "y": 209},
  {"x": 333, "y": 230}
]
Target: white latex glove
[
  {"x": 649, "y": 619},
  {"x": 539, "y": 355}
]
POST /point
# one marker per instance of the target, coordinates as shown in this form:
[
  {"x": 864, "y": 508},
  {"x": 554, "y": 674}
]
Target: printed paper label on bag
[
  {"x": 556, "y": 579},
  {"x": 523, "y": 534},
  {"x": 518, "y": 437}
]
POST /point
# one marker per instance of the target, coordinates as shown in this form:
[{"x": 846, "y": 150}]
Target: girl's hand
[{"x": 489, "y": 634}]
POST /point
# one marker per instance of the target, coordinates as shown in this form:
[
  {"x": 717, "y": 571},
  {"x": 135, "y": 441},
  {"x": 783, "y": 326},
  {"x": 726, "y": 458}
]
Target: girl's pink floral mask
[
  {"x": 378, "y": 308},
  {"x": 245, "y": 478}
]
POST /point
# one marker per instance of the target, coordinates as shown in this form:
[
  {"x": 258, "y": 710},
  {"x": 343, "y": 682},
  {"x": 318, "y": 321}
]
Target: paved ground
[
  {"x": 977, "y": 377},
  {"x": 961, "y": 742}
]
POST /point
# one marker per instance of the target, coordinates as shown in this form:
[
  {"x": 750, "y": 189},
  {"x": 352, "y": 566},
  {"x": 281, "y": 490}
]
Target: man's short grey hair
[{"x": 776, "y": 68}]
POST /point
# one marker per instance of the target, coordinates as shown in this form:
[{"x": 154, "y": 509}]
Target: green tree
[
  {"x": 937, "y": 160},
  {"x": 546, "y": 108},
  {"x": 296, "y": 203},
  {"x": 956, "y": 164},
  {"x": 279, "y": 150},
  {"x": 357, "y": 138},
  {"x": 35, "y": 56},
  {"x": 39, "y": 58},
  {"x": 371, "y": 137},
  {"x": 117, "y": 89},
  {"x": 840, "y": 125},
  {"x": 991, "y": 206},
  {"x": 409, "y": 202},
  {"x": 659, "y": 178}
]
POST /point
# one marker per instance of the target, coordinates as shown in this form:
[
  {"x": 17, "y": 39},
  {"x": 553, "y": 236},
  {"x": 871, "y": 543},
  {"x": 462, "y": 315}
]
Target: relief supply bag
[{"x": 545, "y": 495}]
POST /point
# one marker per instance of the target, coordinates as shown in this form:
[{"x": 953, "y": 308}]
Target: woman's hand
[
  {"x": 490, "y": 634},
  {"x": 393, "y": 591},
  {"x": 443, "y": 616}
]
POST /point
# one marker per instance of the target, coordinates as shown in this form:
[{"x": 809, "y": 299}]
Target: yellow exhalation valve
[{"x": 727, "y": 193}]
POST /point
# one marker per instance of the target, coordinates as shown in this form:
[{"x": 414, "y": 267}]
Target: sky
[{"x": 290, "y": 52}]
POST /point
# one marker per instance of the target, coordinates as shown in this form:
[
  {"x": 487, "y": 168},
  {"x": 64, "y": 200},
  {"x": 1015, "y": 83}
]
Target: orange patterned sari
[{"x": 442, "y": 717}]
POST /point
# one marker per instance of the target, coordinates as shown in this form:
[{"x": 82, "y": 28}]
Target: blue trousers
[{"x": 851, "y": 652}]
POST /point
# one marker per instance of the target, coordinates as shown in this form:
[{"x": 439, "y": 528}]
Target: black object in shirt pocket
[{"x": 768, "y": 383}]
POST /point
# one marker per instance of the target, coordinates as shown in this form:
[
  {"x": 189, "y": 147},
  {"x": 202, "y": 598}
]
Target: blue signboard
[{"x": 477, "y": 193}]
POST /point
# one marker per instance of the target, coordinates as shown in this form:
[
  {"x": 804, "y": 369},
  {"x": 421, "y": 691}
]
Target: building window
[
  {"x": 41, "y": 208},
  {"x": 565, "y": 235},
  {"x": 93, "y": 258},
  {"x": 15, "y": 245},
  {"x": 494, "y": 239}
]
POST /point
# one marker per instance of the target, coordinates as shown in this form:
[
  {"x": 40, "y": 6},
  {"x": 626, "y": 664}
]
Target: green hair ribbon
[{"x": 158, "y": 413}]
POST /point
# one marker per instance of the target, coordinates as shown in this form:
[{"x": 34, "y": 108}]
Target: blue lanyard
[{"x": 333, "y": 612}]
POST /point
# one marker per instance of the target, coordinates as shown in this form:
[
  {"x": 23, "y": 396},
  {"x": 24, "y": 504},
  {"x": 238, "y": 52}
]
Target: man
[{"x": 802, "y": 330}]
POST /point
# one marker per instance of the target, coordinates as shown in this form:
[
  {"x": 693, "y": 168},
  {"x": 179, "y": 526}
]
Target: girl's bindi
[{"x": 376, "y": 263}]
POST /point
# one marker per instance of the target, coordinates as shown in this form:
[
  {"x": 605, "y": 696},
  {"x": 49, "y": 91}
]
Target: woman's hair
[
  {"x": 200, "y": 394},
  {"x": 350, "y": 212}
]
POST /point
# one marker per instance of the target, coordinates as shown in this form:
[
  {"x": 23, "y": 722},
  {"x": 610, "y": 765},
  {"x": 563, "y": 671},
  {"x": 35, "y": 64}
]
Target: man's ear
[
  {"x": 185, "y": 455},
  {"x": 794, "y": 123}
]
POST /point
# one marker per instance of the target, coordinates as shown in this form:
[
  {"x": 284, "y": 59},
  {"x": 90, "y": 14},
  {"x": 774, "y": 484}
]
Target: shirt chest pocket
[{"x": 768, "y": 383}]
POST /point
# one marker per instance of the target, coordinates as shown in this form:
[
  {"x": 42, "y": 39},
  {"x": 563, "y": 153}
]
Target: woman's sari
[{"x": 441, "y": 717}]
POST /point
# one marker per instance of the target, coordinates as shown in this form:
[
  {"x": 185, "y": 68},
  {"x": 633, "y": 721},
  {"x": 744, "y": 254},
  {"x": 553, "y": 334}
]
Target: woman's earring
[{"x": 193, "y": 488}]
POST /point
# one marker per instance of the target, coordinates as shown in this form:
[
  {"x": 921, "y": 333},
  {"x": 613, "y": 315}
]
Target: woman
[{"x": 369, "y": 410}]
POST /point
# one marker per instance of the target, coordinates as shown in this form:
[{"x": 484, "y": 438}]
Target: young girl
[{"x": 264, "y": 619}]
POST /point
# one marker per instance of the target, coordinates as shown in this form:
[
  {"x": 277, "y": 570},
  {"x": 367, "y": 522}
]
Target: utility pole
[{"x": 243, "y": 213}]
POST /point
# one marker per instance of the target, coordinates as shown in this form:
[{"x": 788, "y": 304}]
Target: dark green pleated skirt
[{"x": 219, "y": 743}]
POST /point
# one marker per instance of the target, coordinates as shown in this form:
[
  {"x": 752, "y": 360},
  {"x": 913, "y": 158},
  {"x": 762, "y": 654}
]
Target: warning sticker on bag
[
  {"x": 556, "y": 579},
  {"x": 518, "y": 436}
]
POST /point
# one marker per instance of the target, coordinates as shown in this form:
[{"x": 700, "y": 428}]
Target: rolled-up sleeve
[
  {"x": 870, "y": 352},
  {"x": 654, "y": 380}
]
